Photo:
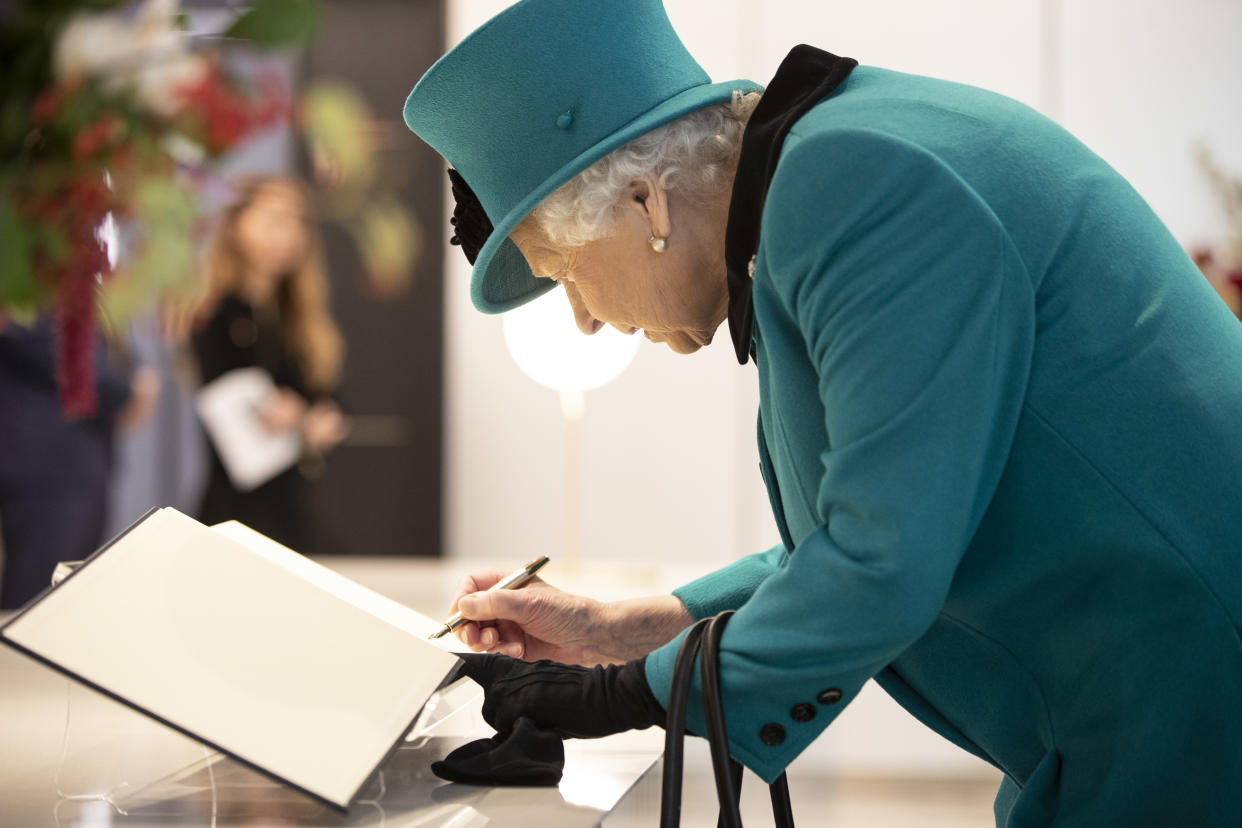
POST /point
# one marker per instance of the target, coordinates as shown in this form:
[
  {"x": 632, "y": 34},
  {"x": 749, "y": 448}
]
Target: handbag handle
[
  {"x": 728, "y": 772},
  {"x": 705, "y": 635},
  {"x": 675, "y": 725}
]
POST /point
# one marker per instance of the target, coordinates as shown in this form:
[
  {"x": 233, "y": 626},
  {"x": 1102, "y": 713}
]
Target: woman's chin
[{"x": 683, "y": 343}]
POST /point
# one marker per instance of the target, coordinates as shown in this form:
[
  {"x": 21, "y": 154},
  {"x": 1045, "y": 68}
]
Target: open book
[{"x": 244, "y": 645}]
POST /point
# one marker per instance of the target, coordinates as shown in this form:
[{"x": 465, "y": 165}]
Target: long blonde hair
[{"x": 301, "y": 298}]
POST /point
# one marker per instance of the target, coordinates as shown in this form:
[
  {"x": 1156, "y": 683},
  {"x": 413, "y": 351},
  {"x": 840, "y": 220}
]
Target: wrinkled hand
[
  {"x": 535, "y": 622},
  {"x": 572, "y": 701}
]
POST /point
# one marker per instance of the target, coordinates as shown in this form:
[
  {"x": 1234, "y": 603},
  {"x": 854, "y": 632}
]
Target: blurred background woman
[{"x": 268, "y": 308}]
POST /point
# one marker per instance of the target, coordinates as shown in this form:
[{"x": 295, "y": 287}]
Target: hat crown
[
  {"x": 542, "y": 83},
  {"x": 538, "y": 94}
]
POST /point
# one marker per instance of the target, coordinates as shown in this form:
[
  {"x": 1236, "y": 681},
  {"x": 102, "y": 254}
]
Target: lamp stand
[{"x": 573, "y": 410}]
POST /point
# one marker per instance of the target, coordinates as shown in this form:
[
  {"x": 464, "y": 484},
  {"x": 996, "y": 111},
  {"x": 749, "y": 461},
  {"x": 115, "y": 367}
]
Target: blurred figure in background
[
  {"x": 268, "y": 308},
  {"x": 54, "y": 471}
]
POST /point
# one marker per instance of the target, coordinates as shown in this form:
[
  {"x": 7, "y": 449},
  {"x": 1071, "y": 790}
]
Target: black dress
[{"x": 236, "y": 337}]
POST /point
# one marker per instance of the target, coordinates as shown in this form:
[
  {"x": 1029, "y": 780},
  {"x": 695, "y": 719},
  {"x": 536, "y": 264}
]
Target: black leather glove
[
  {"x": 573, "y": 702},
  {"x": 524, "y": 755}
]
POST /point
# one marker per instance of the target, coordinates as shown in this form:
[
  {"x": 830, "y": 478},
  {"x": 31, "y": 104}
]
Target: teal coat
[{"x": 1000, "y": 417}]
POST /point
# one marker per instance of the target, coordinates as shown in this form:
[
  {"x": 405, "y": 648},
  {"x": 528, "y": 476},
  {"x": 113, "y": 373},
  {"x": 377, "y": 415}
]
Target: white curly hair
[{"x": 689, "y": 155}]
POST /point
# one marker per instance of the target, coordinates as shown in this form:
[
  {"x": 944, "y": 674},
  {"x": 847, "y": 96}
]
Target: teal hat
[{"x": 538, "y": 94}]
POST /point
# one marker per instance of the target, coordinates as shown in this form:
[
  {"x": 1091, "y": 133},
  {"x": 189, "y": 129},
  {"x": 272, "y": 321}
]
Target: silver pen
[{"x": 513, "y": 580}]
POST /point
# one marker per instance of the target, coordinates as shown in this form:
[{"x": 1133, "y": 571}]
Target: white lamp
[{"x": 547, "y": 345}]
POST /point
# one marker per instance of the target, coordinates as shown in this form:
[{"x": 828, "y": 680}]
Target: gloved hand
[
  {"x": 573, "y": 702},
  {"x": 524, "y": 755}
]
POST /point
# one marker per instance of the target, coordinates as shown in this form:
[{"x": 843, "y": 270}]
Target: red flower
[
  {"x": 224, "y": 114},
  {"x": 90, "y": 140},
  {"x": 46, "y": 106},
  {"x": 122, "y": 158},
  {"x": 75, "y": 327},
  {"x": 80, "y": 207}
]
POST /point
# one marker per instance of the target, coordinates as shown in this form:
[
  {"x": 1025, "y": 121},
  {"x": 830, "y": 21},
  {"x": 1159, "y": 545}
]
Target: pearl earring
[{"x": 657, "y": 245}]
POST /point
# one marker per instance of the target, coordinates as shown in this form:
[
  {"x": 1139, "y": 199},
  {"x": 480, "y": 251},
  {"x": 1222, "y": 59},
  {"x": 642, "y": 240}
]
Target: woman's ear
[{"x": 650, "y": 197}]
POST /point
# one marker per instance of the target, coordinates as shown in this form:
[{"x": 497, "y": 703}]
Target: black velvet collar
[{"x": 806, "y": 76}]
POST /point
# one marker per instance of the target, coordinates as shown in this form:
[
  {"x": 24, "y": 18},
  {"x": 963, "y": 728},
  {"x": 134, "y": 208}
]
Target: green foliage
[
  {"x": 164, "y": 254},
  {"x": 20, "y": 292},
  {"x": 390, "y": 241},
  {"x": 74, "y": 149},
  {"x": 27, "y": 37},
  {"x": 334, "y": 120},
  {"x": 278, "y": 23},
  {"x": 50, "y": 239}
]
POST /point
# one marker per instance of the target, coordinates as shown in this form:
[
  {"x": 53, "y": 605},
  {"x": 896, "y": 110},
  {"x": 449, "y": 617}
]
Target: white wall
[
  {"x": 670, "y": 462},
  {"x": 1141, "y": 81}
]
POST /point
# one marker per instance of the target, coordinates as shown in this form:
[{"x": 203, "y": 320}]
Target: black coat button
[
  {"x": 830, "y": 696},
  {"x": 802, "y": 712},
  {"x": 771, "y": 734}
]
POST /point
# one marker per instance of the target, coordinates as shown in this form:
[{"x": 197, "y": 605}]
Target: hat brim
[{"x": 502, "y": 280}]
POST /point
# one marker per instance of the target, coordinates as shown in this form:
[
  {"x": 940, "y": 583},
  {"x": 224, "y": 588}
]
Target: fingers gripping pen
[{"x": 513, "y": 580}]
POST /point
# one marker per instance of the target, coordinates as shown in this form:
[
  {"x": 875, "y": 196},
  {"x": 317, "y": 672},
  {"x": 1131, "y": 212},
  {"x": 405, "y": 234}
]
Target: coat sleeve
[
  {"x": 730, "y": 587},
  {"x": 31, "y": 353},
  {"x": 917, "y": 315}
]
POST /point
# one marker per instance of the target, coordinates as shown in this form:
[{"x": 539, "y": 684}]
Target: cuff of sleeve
[
  {"x": 730, "y": 587},
  {"x": 659, "y": 669}
]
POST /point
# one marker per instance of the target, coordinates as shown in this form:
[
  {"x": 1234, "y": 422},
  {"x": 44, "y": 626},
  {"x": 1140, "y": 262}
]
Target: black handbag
[{"x": 705, "y": 636}]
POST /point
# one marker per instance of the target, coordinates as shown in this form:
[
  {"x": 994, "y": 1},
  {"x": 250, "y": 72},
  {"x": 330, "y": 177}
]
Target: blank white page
[
  {"x": 399, "y": 615},
  {"x": 229, "y": 406},
  {"x": 258, "y": 652}
]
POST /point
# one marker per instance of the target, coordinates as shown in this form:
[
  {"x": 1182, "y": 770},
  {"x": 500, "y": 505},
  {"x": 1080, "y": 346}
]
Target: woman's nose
[{"x": 587, "y": 323}]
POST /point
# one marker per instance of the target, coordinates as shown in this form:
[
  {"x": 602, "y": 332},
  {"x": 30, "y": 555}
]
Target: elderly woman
[{"x": 998, "y": 417}]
